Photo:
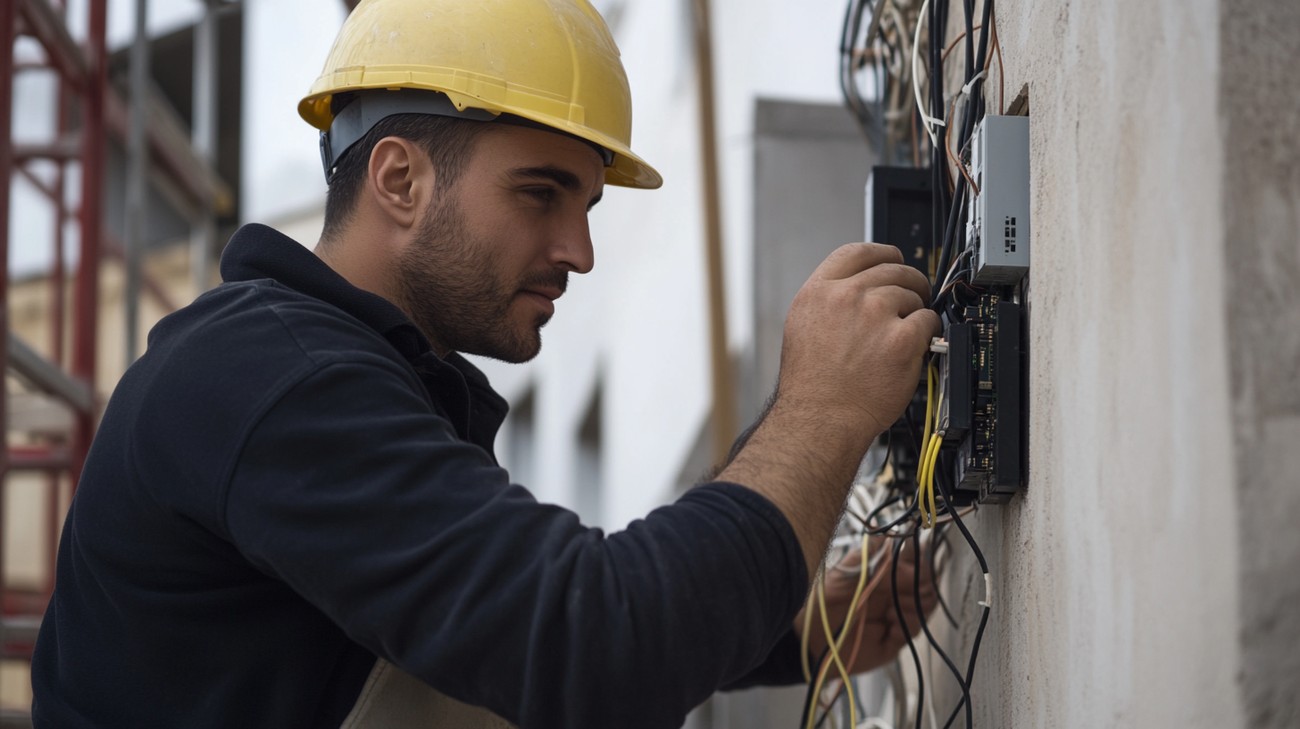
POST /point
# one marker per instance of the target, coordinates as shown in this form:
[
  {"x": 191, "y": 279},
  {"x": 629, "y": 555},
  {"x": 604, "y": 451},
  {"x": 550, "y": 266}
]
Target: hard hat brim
[{"x": 627, "y": 169}]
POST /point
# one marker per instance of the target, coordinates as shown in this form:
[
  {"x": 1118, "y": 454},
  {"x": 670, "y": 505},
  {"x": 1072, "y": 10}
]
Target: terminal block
[{"x": 983, "y": 400}]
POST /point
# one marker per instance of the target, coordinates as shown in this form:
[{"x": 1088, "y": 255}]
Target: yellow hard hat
[{"x": 551, "y": 62}]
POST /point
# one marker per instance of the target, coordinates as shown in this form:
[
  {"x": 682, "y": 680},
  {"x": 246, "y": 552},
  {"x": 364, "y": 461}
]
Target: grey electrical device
[{"x": 998, "y": 218}]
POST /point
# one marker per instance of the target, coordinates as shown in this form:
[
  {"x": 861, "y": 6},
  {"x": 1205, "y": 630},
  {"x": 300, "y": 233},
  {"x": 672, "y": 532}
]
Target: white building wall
[{"x": 640, "y": 319}]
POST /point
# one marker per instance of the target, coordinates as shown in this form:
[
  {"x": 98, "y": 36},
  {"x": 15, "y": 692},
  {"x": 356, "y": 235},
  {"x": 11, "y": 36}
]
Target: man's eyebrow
[{"x": 560, "y": 176}]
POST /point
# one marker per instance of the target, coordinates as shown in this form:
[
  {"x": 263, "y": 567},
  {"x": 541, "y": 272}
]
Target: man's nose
[{"x": 573, "y": 249}]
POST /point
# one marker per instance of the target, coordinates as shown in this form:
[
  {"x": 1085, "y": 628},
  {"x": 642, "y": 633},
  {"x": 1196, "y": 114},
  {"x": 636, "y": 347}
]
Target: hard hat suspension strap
[{"x": 369, "y": 108}]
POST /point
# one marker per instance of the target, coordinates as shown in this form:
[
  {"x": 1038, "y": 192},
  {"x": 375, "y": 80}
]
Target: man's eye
[{"x": 541, "y": 194}]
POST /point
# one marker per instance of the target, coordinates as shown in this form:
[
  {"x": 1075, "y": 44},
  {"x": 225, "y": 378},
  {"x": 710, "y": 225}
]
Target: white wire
[
  {"x": 953, "y": 269},
  {"x": 927, "y": 121}
]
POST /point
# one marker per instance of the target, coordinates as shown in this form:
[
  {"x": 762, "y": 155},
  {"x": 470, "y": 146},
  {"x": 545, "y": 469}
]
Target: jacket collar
[{"x": 261, "y": 252}]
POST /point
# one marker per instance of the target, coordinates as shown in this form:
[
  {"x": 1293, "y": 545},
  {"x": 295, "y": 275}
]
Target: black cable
[
  {"x": 969, "y": 7},
  {"x": 845, "y": 50},
  {"x": 938, "y": 184},
  {"x": 950, "y": 231},
  {"x": 911, "y": 511},
  {"x": 849, "y": 32},
  {"x": 883, "y": 505},
  {"x": 864, "y": 112},
  {"x": 984, "y": 617},
  {"x": 809, "y": 699},
  {"x": 925, "y": 627},
  {"x": 940, "y": 538},
  {"x": 977, "y": 96},
  {"x": 902, "y": 621}
]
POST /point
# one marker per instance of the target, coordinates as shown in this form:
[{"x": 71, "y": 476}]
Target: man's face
[{"x": 494, "y": 252}]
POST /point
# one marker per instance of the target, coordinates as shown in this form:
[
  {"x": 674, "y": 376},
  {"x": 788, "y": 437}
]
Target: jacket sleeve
[
  {"x": 781, "y": 667},
  {"x": 355, "y": 494}
]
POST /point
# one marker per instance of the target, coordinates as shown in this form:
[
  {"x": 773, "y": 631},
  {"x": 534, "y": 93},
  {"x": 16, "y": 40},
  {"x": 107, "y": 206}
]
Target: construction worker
[{"x": 291, "y": 515}]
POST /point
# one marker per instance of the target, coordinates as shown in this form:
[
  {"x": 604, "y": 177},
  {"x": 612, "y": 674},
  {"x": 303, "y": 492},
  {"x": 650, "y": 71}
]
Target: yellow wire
[
  {"x": 935, "y": 441},
  {"x": 857, "y": 594},
  {"x": 925, "y": 479},
  {"x": 920, "y": 482},
  {"x": 834, "y": 643},
  {"x": 803, "y": 638},
  {"x": 925, "y": 444},
  {"x": 830, "y": 642}
]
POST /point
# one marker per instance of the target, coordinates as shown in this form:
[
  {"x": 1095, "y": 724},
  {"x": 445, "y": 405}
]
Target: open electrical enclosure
[
  {"x": 978, "y": 366},
  {"x": 952, "y": 193}
]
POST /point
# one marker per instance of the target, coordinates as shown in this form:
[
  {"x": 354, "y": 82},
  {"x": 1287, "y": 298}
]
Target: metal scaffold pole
[
  {"x": 7, "y": 38},
  {"x": 86, "y": 289},
  {"x": 137, "y": 191},
  {"x": 203, "y": 237}
]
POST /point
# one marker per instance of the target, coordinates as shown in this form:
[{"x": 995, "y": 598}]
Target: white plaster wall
[
  {"x": 640, "y": 319},
  {"x": 1260, "y": 107},
  {"x": 285, "y": 44},
  {"x": 1114, "y": 573}
]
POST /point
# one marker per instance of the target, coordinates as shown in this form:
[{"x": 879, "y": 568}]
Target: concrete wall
[
  {"x": 1259, "y": 108},
  {"x": 1147, "y": 577}
]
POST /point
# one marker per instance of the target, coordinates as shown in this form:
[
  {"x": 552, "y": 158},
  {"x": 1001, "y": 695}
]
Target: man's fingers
[
  {"x": 896, "y": 274},
  {"x": 902, "y": 301},
  {"x": 853, "y": 258},
  {"x": 925, "y": 324}
]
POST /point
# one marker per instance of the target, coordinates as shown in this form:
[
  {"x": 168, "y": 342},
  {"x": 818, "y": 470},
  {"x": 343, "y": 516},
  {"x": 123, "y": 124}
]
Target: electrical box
[
  {"x": 998, "y": 217},
  {"x": 985, "y": 364},
  {"x": 900, "y": 212},
  {"x": 980, "y": 363}
]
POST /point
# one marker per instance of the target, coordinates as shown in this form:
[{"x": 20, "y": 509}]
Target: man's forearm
[{"x": 804, "y": 463}]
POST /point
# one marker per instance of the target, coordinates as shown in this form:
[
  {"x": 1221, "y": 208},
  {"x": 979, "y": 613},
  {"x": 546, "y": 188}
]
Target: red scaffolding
[
  {"x": 82, "y": 79},
  {"x": 88, "y": 111}
]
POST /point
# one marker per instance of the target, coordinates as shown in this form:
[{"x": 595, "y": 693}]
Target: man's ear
[{"x": 400, "y": 180}]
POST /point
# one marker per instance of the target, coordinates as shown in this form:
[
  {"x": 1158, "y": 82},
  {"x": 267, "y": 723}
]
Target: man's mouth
[
  {"x": 549, "y": 293},
  {"x": 543, "y": 297}
]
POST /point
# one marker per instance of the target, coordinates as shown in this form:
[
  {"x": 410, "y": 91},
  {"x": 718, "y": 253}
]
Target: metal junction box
[{"x": 998, "y": 218}]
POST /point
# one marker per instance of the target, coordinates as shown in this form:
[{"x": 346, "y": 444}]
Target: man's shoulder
[
  {"x": 266, "y": 323},
  {"x": 237, "y": 348}
]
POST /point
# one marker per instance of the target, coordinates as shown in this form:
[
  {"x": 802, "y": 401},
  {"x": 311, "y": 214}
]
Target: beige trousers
[{"x": 394, "y": 699}]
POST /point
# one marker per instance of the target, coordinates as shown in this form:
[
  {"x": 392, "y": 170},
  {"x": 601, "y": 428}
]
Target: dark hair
[{"x": 446, "y": 140}]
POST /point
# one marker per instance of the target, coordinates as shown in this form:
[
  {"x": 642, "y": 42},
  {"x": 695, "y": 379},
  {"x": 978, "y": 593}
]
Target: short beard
[{"x": 451, "y": 287}]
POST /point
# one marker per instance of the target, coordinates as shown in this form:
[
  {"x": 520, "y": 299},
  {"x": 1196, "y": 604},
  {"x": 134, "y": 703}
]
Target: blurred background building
[{"x": 1147, "y": 576}]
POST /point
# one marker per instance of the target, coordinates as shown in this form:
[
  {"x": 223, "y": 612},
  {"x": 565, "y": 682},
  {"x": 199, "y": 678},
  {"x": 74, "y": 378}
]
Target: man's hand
[
  {"x": 855, "y": 337},
  {"x": 850, "y": 361},
  {"x": 876, "y": 633}
]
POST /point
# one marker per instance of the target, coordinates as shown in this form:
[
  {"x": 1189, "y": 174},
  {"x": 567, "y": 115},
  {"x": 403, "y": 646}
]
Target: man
[{"x": 291, "y": 516}]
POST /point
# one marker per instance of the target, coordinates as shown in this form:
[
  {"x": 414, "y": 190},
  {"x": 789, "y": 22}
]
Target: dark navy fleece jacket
[{"x": 290, "y": 485}]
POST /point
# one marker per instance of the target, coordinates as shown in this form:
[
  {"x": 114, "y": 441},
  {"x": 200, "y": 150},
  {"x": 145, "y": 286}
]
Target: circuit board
[{"x": 981, "y": 409}]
